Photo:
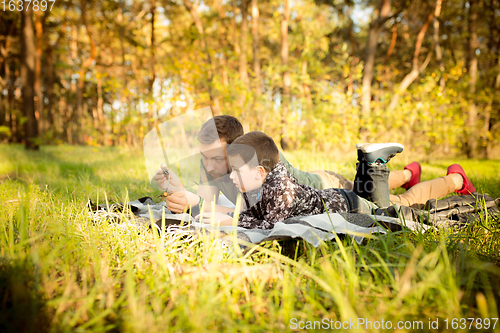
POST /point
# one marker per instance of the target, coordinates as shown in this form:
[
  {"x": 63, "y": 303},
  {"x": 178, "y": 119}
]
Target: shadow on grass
[{"x": 22, "y": 305}]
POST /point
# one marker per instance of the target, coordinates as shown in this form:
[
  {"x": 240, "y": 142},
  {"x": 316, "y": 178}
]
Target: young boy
[{"x": 272, "y": 195}]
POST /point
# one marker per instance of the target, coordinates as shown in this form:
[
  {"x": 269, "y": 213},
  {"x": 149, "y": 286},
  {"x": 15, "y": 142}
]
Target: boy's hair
[
  {"x": 252, "y": 143},
  {"x": 227, "y": 128}
]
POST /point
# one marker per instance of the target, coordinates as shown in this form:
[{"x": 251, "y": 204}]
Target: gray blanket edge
[{"x": 313, "y": 229}]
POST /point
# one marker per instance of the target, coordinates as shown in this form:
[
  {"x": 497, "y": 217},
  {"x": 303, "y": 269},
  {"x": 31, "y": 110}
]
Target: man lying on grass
[
  {"x": 271, "y": 194},
  {"x": 222, "y": 130}
]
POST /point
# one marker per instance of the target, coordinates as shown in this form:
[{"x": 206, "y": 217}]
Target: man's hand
[
  {"x": 218, "y": 218},
  {"x": 164, "y": 176},
  {"x": 175, "y": 196},
  {"x": 177, "y": 202}
]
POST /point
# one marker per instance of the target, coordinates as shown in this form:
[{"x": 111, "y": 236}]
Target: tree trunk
[
  {"x": 256, "y": 63},
  {"x": 49, "y": 88},
  {"x": 354, "y": 61},
  {"x": 471, "y": 136},
  {"x": 11, "y": 109},
  {"x": 71, "y": 127},
  {"x": 15, "y": 127},
  {"x": 223, "y": 46},
  {"x": 50, "y": 80},
  {"x": 28, "y": 78},
  {"x": 4, "y": 53},
  {"x": 243, "y": 66},
  {"x": 3, "y": 111},
  {"x": 243, "y": 40},
  {"x": 488, "y": 128},
  {"x": 437, "y": 45},
  {"x": 38, "y": 71},
  {"x": 80, "y": 112},
  {"x": 493, "y": 46},
  {"x": 393, "y": 43},
  {"x": 100, "y": 112},
  {"x": 285, "y": 95},
  {"x": 236, "y": 44},
  {"x": 152, "y": 48},
  {"x": 152, "y": 79},
  {"x": 193, "y": 10},
  {"x": 240, "y": 49},
  {"x": 416, "y": 70},
  {"x": 126, "y": 99},
  {"x": 376, "y": 28},
  {"x": 80, "y": 116}
]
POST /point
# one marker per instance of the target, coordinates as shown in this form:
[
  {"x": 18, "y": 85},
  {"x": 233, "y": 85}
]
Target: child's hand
[{"x": 219, "y": 218}]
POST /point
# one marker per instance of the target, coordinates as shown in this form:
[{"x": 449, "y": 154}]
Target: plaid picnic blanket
[
  {"x": 452, "y": 211},
  {"x": 313, "y": 229}
]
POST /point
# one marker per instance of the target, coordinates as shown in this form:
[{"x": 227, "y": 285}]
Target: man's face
[
  {"x": 245, "y": 177},
  {"x": 215, "y": 158}
]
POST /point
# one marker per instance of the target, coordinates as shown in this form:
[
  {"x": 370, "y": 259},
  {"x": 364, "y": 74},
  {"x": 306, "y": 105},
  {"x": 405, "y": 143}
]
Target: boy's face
[
  {"x": 215, "y": 159},
  {"x": 245, "y": 178}
]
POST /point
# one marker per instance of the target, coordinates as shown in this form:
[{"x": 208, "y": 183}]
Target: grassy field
[{"x": 59, "y": 271}]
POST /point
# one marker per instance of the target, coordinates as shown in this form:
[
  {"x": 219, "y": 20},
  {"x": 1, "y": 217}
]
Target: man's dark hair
[
  {"x": 256, "y": 143},
  {"x": 227, "y": 128}
]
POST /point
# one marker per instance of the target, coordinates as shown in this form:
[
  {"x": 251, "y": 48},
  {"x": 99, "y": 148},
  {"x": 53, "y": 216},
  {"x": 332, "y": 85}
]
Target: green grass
[{"x": 61, "y": 272}]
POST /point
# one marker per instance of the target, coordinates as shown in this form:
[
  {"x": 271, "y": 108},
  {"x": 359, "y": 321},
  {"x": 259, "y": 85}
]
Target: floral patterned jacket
[{"x": 282, "y": 197}]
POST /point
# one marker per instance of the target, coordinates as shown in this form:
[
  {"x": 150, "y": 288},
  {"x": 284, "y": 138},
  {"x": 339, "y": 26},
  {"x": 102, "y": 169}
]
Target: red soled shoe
[
  {"x": 416, "y": 171},
  {"x": 468, "y": 188}
]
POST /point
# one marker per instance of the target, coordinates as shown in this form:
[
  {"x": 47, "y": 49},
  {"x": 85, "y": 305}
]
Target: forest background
[{"x": 314, "y": 74}]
